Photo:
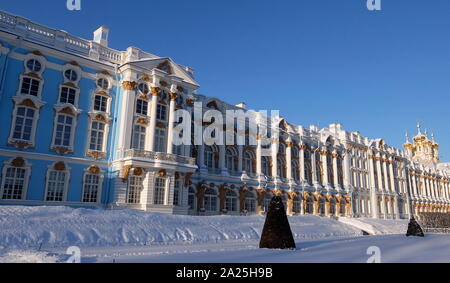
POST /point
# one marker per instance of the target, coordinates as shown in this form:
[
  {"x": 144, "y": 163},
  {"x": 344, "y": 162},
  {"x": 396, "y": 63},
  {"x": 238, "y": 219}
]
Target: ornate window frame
[
  {"x": 58, "y": 166},
  {"x": 17, "y": 162},
  {"x": 106, "y": 120},
  {"x": 68, "y": 110},
  {"x": 27, "y": 102},
  {"x": 93, "y": 170},
  {"x": 31, "y": 74},
  {"x": 100, "y": 116}
]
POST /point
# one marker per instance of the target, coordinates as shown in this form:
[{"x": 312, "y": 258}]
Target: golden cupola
[{"x": 423, "y": 150}]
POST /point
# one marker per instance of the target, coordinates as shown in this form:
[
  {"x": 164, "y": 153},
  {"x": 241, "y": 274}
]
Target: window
[
  {"x": 160, "y": 140},
  {"x": 230, "y": 160},
  {"x": 13, "y": 184},
  {"x": 97, "y": 136},
  {"x": 100, "y": 103},
  {"x": 177, "y": 192},
  {"x": 210, "y": 200},
  {"x": 161, "y": 112},
  {"x": 91, "y": 188},
  {"x": 71, "y": 75},
  {"x": 139, "y": 137},
  {"x": 56, "y": 184},
  {"x": 322, "y": 206},
  {"x": 23, "y": 124},
  {"x": 296, "y": 205},
  {"x": 141, "y": 107},
  {"x": 191, "y": 198},
  {"x": 332, "y": 207},
  {"x": 160, "y": 188},
  {"x": 135, "y": 187},
  {"x": 143, "y": 88},
  {"x": 310, "y": 205},
  {"x": 68, "y": 95},
  {"x": 209, "y": 157},
  {"x": 103, "y": 83},
  {"x": 248, "y": 162},
  {"x": 30, "y": 86},
  {"x": 250, "y": 202},
  {"x": 231, "y": 201},
  {"x": 63, "y": 132},
  {"x": 34, "y": 65}
]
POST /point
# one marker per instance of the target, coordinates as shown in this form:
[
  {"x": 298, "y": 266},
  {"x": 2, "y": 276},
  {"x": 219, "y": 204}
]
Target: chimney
[{"x": 101, "y": 36}]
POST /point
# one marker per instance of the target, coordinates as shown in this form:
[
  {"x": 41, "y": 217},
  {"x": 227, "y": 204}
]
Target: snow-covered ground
[{"x": 43, "y": 234}]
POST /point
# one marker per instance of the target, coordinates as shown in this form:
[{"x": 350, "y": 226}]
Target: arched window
[
  {"x": 296, "y": 205},
  {"x": 310, "y": 205},
  {"x": 265, "y": 166},
  {"x": 250, "y": 202},
  {"x": 322, "y": 206},
  {"x": 231, "y": 201},
  {"x": 191, "y": 198},
  {"x": 230, "y": 159},
  {"x": 332, "y": 206},
  {"x": 342, "y": 205},
  {"x": 210, "y": 200},
  {"x": 210, "y": 160},
  {"x": 248, "y": 162}
]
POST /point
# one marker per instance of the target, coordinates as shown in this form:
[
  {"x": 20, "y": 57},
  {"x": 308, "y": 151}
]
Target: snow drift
[{"x": 59, "y": 227}]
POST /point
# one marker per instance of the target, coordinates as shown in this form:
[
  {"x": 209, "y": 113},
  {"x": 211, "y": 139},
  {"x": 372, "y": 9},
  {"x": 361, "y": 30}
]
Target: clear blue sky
[{"x": 318, "y": 61}]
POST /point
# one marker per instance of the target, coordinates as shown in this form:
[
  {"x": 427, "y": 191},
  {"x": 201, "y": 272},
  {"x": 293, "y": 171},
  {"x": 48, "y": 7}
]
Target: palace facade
[{"x": 89, "y": 126}]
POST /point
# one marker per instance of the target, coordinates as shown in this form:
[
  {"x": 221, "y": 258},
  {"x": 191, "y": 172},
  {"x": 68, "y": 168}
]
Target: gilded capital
[
  {"x": 129, "y": 85},
  {"x": 155, "y": 91},
  {"x": 173, "y": 96}
]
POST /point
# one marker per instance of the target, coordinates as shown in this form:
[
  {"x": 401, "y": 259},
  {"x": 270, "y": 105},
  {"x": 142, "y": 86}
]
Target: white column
[
  {"x": 335, "y": 157},
  {"x": 126, "y": 115},
  {"x": 258, "y": 156},
  {"x": 325, "y": 180},
  {"x": 302, "y": 163},
  {"x": 173, "y": 97},
  {"x": 289, "y": 159},
  {"x": 275, "y": 159},
  {"x": 150, "y": 137},
  {"x": 386, "y": 180},
  {"x": 167, "y": 190},
  {"x": 346, "y": 168},
  {"x": 313, "y": 168},
  {"x": 373, "y": 193},
  {"x": 392, "y": 174}
]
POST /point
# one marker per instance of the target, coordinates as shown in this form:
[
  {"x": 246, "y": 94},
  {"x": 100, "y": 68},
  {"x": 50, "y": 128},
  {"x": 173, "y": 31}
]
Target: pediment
[{"x": 169, "y": 66}]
